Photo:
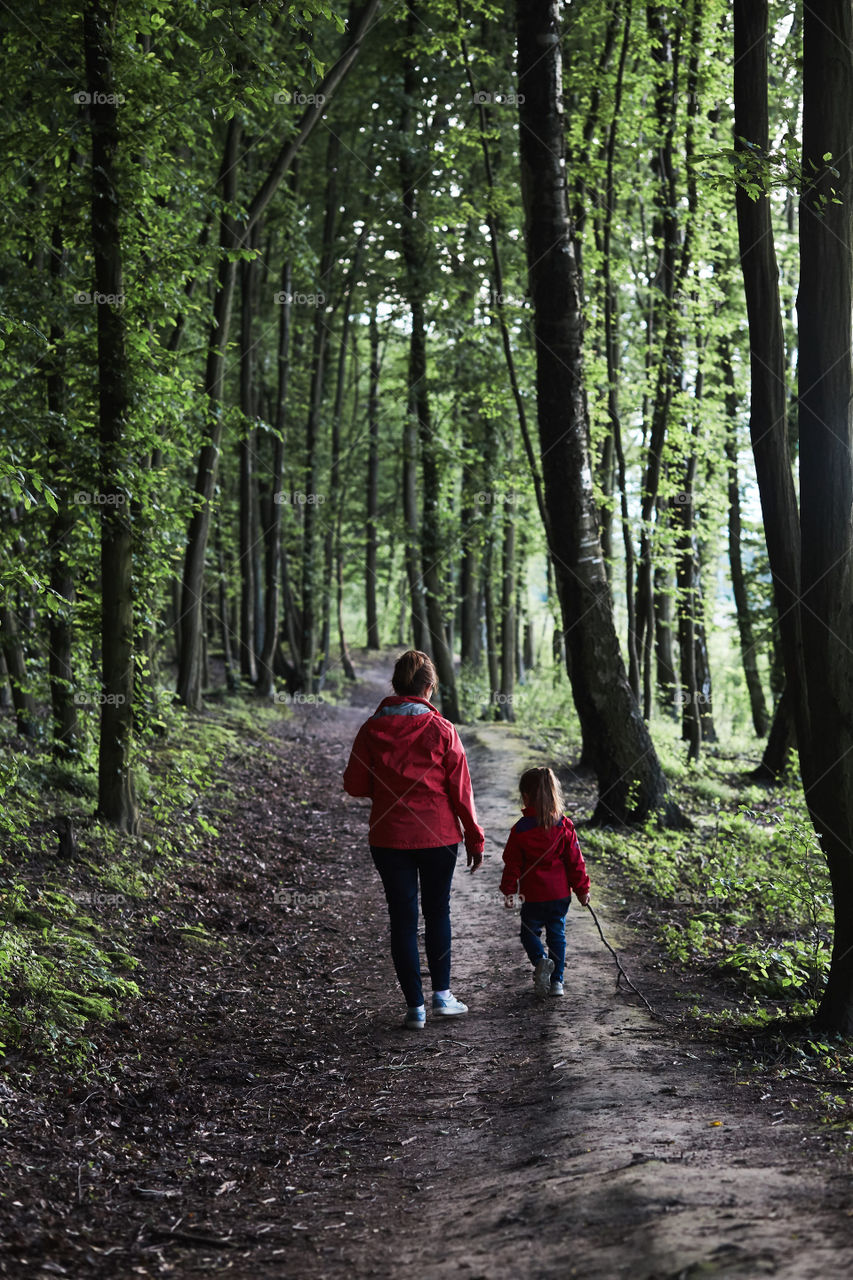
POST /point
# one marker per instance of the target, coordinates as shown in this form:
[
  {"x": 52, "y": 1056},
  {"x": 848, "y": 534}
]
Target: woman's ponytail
[{"x": 414, "y": 674}]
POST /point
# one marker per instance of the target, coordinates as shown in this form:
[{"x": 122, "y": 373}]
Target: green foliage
[{"x": 745, "y": 896}]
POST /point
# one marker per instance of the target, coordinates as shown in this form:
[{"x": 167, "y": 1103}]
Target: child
[{"x": 543, "y": 863}]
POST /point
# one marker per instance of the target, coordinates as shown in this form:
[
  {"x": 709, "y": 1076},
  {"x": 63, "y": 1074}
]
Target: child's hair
[
  {"x": 540, "y": 788},
  {"x": 414, "y": 674}
]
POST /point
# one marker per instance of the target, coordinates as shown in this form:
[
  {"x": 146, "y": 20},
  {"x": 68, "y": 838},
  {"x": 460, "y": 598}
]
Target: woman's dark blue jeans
[
  {"x": 551, "y": 916},
  {"x": 401, "y": 870}
]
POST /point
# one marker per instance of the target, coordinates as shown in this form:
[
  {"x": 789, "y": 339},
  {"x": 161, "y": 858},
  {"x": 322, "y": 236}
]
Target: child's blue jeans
[{"x": 550, "y": 916}]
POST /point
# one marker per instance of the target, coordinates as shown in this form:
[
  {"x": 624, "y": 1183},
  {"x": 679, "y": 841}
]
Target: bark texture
[
  {"x": 631, "y": 783},
  {"x": 116, "y": 792}
]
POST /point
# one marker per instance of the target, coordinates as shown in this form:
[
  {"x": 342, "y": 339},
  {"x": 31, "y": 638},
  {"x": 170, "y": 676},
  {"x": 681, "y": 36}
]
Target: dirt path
[{"x": 264, "y": 1114}]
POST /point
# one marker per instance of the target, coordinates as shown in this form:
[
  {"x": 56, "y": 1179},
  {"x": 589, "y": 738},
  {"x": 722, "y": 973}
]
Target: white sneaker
[
  {"x": 415, "y": 1018},
  {"x": 448, "y": 1005},
  {"x": 542, "y": 976},
  {"x": 556, "y": 988}
]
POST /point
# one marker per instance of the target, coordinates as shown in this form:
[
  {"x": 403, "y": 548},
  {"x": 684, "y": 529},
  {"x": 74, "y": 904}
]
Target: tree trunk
[
  {"x": 469, "y": 569},
  {"x": 16, "y": 665},
  {"x": 413, "y": 248},
  {"x": 5, "y": 687},
  {"x": 491, "y": 624},
  {"x": 116, "y": 792},
  {"x": 334, "y": 517},
  {"x": 272, "y": 521},
  {"x": 192, "y": 586},
  {"x": 685, "y": 578},
  {"x": 372, "y": 545},
  {"x": 66, "y": 727},
  {"x": 231, "y": 680},
  {"x": 666, "y": 676},
  {"x": 774, "y": 766},
  {"x": 769, "y": 401},
  {"x": 314, "y": 608},
  {"x": 824, "y": 308},
  {"x": 247, "y": 451},
  {"x": 665, "y": 286},
  {"x": 631, "y": 783},
  {"x": 744, "y": 615},
  {"x": 508, "y": 614}
]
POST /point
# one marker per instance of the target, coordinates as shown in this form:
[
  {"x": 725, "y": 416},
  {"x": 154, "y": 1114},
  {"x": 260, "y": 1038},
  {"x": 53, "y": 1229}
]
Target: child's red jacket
[
  {"x": 543, "y": 863},
  {"x": 410, "y": 761}
]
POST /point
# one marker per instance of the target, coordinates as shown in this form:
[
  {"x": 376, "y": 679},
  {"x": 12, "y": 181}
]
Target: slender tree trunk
[
  {"x": 469, "y": 570},
  {"x": 247, "y": 452},
  {"x": 769, "y": 400},
  {"x": 508, "y": 614},
  {"x": 492, "y": 665},
  {"x": 372, "y": 546},
  {"x": 272, "y": 530},
  {"x": 313, "y": 607},
  {"x": 420, "y": 634},
  {"x": 231, "y": 680},
  {"x": 631, "y": 783},
  {"x": 666, "y": 675},
  {"x": 16, "y": 666},
  {"x": 192, "y": 586},
  {"x": 66, "y": 727},
  {"x": 413, "y": 248},
  {"x": 690, "y": 718},
  {"x": 664, "y": 289},
  {"x": 116, "y": 792},
  {"x": 742, "y": 609},
  {"x": 334, "y": 517}
]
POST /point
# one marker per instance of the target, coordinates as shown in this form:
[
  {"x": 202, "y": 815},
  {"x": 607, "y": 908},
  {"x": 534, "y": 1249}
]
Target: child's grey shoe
[
  {"x": 542, "y": 976},
  {"x": 415, "y": 1019},
  {"x": 556, "y": 988},
  {"x": 448, "y": 1005}
]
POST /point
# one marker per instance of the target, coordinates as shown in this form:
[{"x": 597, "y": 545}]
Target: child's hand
[
  {"x": 583, "y": 899},
  {"x": 509, "y": 901}
]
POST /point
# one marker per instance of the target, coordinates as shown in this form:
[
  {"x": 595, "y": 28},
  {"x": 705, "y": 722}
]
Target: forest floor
[{"x": 260, "y": 1112}]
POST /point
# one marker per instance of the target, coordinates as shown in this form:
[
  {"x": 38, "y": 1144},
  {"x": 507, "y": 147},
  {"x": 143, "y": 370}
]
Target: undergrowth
[{"x": 69, "y": 927}]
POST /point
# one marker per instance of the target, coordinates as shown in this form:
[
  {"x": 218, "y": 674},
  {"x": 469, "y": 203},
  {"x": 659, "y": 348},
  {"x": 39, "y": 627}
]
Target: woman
[{"x": 409, "y": 760}]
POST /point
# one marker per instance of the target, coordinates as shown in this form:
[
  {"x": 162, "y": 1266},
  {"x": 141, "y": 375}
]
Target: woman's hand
[{"x": 475, "y": 860}]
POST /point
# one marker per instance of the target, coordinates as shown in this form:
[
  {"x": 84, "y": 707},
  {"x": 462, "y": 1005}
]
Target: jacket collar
[{"x": 404, "y": 705}]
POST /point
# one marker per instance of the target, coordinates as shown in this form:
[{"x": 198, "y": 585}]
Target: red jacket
[
  {"x": 409, "y": 760},
  {"x": 543, "y": 863}
]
